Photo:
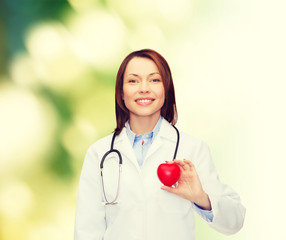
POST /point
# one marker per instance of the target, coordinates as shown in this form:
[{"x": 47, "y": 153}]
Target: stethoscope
[{"x": 112, "y": 150}]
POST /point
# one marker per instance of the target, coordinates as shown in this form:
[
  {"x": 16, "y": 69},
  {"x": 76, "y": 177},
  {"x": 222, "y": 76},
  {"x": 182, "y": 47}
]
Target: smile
[{"x": 143, "y": 101}]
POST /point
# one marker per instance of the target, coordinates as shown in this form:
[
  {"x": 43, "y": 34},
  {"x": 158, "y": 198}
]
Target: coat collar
[
  {"x": 166, "y": 131},
  {"x": 123, "y": 144}
]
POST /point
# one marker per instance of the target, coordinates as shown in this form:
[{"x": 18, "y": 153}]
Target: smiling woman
[
  {"x": 143, "y": 140},
  {"x": 145, "y": 69},
  {"x": 143, "y": 93}
]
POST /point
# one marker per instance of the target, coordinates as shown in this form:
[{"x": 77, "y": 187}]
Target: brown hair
[{"x": 169, "y": 109}]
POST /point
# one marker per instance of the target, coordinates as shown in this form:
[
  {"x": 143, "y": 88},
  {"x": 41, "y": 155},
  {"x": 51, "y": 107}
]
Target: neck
[{"x": 142, "y": 125}]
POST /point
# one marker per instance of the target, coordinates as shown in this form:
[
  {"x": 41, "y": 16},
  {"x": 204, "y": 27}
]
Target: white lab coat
[{"x": 144, "y": 211}]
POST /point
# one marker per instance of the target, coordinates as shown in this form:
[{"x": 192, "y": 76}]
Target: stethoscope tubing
[{"x": 112, "y": 150}]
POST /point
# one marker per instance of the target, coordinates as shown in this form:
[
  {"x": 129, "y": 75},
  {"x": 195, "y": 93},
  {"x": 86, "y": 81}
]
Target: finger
[
  {"x": 169, "y": 162},
  {"x": 181, "y": 164},
  {"x": 178, "y": 163},
  {"x": 177, "y": 160},
  {"x": 169, "y": 189},
  {"x": 189, "y": 163},
  {"x": 190, "y": 166},
  {"x": 185, "y": 164}
]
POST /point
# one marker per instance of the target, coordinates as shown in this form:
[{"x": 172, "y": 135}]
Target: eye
[
  {"x": 156, "y": 80},
  {"x": 132, "y": 81}
]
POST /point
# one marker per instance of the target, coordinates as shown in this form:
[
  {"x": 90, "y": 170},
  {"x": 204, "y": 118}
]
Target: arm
[
  {"x": 201, "y": 185},
  {"x": 189, "y": 186},
  {"x": 90, "y": 212},
  {"x": 227, "y": 209}
]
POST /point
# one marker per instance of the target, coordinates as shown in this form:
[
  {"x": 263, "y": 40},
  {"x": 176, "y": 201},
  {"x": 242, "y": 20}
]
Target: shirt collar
[{"x": 133, "y": 137}]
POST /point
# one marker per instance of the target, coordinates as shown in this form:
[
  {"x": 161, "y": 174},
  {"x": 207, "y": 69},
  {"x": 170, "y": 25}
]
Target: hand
[{"x": 189, "y": 185}]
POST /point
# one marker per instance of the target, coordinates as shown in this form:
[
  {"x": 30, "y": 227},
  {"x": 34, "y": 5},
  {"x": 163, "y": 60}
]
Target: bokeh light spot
[
  {"x": 27, "y": 125},
  {"x": 16, "y": 200}
]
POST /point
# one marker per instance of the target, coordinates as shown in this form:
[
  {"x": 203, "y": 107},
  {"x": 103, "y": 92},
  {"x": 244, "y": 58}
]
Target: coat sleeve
[
  {"x": 90, "y": 212},
  {"x": 227, "y": 209}
]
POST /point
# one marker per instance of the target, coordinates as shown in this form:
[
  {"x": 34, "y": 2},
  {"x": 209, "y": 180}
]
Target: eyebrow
[{"x": 136, "y": 75}]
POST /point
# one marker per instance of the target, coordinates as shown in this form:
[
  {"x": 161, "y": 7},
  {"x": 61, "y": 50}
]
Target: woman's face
[{"x": 143, "y": 89}]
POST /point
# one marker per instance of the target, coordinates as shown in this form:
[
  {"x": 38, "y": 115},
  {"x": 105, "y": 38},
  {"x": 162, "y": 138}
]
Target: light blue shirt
[{"x": 141, "y": 144}]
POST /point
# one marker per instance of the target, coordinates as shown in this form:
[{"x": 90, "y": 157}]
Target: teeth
[{"x": 144, "y": 100}]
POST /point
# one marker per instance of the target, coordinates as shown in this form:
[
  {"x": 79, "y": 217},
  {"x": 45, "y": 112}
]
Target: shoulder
[
  {"x": 168, "y": 131},
  {"x": 190, "y": 139},
  {"x": 193, "y": 147},
  {"x": 187, "y": 143}
]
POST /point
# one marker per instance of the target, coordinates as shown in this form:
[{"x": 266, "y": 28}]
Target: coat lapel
[
  {"x": 123, "y": 144},
  {"x": 166, "y": 132}
]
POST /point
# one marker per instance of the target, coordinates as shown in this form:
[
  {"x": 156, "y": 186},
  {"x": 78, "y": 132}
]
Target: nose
[{"x": 144, "y": 87}]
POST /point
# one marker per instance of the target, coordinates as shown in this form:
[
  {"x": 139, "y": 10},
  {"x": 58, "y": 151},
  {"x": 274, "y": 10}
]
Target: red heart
[{"x": 168, "y": 173}]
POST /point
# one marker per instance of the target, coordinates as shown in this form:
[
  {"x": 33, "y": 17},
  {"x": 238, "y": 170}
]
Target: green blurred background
[{"x": 58, "y": 64}]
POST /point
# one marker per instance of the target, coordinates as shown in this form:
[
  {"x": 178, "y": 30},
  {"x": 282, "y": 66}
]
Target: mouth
[{"x": 144, "y": 100}]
